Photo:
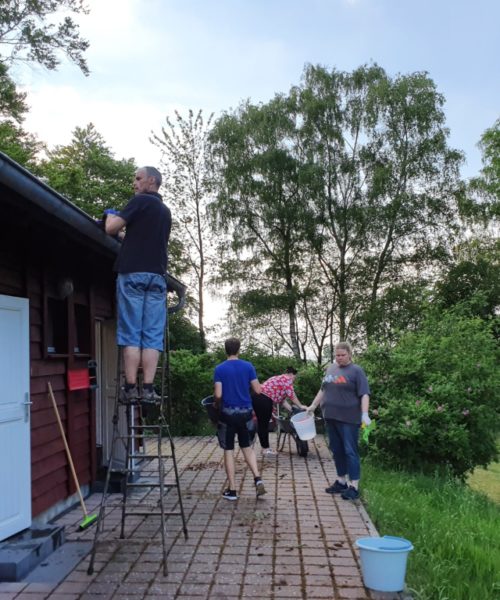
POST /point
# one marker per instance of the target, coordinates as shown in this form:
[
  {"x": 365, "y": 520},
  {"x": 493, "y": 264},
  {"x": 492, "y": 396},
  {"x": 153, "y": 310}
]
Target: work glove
[{"x": 365, "y": 419}]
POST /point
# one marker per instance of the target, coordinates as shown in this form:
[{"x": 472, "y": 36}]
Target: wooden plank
[
  {"x": 47, "y": 368},
  {"x": 57, "y": 380},
  {"x": 42, "y": 436},
  {"x": 35, "y": 333},
  {"x": 49, "y": 465},
  {"x": 46, "y": 418},
  {"x": 46, "y": 484},
  {"x": 47, "y": 500},
  {"x": 50, "y": 447},
  {"x": 11, "y": 281},
  {"x": 35, "y": 351}
]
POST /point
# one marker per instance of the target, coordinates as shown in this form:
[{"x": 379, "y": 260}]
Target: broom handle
[{"x": 70, "y": 460}]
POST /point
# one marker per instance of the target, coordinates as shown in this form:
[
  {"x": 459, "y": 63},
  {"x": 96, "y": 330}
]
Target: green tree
[
  {"x": 12, "y": 102},
  {"x": 473, "y": 277},
  {"x": 86, "y": 172},
  {"x": 484, "y": 199},
  {"x": 36, "y": 31},
  {"x": 332, "y": 195},
  {"x": 20, "y": 145},
  {"x": 183, "y": 143},
  {"x": 383, "y": 191},
  {"x": 261, "y": 206}
]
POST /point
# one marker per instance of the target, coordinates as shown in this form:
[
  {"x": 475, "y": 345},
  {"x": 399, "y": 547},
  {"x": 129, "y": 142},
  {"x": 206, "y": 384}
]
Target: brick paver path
[{"x": 294, "y": 542}]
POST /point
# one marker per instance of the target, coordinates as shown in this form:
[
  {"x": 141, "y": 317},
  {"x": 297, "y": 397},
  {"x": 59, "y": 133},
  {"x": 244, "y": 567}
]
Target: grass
[
  {"x": 487, "y": 481},
  {"x": 455, "y": 532}
]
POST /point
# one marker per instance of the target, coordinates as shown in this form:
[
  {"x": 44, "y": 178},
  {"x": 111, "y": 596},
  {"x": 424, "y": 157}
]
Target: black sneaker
[
  {"x": 260, "y": 490},
  {"x": 230, "y": 495},
  {"x": 336, "y": 488},
  {"x": 350, "y": 494},
  {"x": 129, "y": 396}
]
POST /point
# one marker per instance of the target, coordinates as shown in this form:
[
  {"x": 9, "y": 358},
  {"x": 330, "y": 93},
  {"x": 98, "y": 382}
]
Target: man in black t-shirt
[{"x": 141, "y": 286}]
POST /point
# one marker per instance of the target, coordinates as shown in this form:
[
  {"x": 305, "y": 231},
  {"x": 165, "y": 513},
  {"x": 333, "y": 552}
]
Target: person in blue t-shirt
[{"x": 232, "y": 382}]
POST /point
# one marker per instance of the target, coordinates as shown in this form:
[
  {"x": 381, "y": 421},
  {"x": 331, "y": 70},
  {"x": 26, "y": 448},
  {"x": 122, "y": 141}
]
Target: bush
[
  {"x": 192, "y": 379},
  {"x": 437, "y": 395}
]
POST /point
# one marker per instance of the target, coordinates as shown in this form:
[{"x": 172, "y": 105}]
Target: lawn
[
  {"x": 454, "y": 529},
  {"x": 487, "y": 481}
]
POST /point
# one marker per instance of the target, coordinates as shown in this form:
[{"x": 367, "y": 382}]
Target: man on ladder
[
  {"x": 142, "y": 317},
  {"x": 141, "y": 286}
]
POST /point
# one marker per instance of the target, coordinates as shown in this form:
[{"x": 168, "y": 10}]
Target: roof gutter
[{"x": 38, "y": 193}]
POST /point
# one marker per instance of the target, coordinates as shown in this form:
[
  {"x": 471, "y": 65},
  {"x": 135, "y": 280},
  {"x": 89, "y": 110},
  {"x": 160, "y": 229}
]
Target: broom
[{"x": 88, "y": 519}]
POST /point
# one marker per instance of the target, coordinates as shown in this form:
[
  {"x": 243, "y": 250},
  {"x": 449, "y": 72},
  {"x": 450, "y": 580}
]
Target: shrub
[
  {"x": 437, "y": 395},
  {"x": 191, "y": 380}
]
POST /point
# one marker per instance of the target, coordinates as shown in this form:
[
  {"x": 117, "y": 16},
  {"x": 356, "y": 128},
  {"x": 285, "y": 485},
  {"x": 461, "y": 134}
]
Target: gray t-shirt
[{"x": 343, "y": 388}]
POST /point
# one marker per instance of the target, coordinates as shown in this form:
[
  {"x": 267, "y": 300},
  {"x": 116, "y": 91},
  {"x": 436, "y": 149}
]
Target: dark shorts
[{"x": 235, "y": 422}]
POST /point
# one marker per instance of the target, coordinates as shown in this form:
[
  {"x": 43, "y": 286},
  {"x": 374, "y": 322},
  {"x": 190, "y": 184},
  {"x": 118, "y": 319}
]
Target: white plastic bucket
[
  {"x": 383, "y": 562},
  {"x": 304, "y": 425}
]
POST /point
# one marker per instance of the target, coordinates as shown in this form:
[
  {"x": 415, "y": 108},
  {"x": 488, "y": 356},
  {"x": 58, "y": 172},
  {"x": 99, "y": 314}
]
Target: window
[
  {"x": 82, "y": 329},
  {"x": 57, "y": 326}
]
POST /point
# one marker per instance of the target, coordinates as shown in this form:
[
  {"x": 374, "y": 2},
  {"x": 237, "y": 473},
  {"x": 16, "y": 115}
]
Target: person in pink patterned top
[{"x": 275, "y": 390}]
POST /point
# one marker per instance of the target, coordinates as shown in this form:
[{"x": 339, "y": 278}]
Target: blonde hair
[{"x": 344, "y": 346}]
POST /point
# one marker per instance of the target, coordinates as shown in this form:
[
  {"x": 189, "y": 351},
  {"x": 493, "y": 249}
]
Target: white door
[{"x": 15, "y": 462}]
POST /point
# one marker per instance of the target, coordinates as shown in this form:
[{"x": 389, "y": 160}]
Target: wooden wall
[{"x": 30, "y": 267}]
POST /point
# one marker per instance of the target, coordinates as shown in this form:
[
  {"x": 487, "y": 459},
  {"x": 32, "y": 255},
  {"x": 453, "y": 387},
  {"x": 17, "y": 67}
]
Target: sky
[{"x": 151, "y": 57}]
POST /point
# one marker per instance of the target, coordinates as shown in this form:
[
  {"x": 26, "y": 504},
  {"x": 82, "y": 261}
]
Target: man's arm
[
  {"x": 256, "y": 387},
  {"x": 217, "y": 393},
  {"x": 114, "y": 224}
]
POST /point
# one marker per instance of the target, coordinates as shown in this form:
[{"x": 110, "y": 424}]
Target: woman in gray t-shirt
[{"x": 344, "y": 398}]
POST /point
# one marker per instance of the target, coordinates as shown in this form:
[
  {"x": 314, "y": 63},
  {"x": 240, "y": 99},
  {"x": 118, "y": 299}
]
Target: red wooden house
[{"x": 57, "y": 313}]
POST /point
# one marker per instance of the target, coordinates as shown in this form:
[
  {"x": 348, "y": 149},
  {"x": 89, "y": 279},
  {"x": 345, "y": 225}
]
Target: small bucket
[
  {"x": 383, "y": 562},
  {"x": 304, "y": 425}
]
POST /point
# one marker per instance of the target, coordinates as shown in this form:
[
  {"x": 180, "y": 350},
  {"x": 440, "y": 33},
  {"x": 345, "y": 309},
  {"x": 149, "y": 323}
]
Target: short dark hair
[
  {"x": 291, "y": 370},
  {"x": 232, "y": 346},
  {"x": 153, "y": 172}
]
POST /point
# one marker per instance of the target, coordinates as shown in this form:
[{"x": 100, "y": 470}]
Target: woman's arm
[
  {"x": 316, "y": 401},
  {"x": 365, "y": 404}
]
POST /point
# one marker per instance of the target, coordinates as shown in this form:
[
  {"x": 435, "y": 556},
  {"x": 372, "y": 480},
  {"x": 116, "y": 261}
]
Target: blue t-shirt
[{"x": 235, "y": 377}]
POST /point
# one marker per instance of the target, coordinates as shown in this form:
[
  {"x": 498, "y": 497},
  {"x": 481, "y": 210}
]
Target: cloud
[{"x": 56, "y": 111}]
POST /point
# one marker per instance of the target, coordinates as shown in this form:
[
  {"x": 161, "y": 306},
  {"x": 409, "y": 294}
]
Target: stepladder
[{"x": 143, "y": 458}]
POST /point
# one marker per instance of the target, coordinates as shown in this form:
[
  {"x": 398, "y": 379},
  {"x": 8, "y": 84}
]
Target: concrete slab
[
  {"x": 60, "y": 563},
  {"x": 21, "y": 553}
]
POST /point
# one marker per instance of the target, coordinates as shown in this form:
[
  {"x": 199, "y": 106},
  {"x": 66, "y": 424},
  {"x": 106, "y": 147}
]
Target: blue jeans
[
  {"x": 343, "y": 440},
  {"x": 142, "y": 310}
]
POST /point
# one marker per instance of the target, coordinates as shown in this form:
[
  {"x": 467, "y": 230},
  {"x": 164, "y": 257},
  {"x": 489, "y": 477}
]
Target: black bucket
[{"x": 213, "y": 413}]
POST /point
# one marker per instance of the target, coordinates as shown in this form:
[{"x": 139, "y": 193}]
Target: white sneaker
[{"x": 268, "y": 452}]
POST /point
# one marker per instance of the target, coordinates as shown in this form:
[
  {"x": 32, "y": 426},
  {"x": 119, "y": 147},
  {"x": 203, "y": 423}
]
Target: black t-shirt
[{"x": 144, "y": 248}]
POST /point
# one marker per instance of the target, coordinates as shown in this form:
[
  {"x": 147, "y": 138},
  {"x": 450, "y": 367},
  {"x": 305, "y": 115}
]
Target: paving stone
[
  {"x": 284, "y": 546},
  {"x": 353, "y": 593}
]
